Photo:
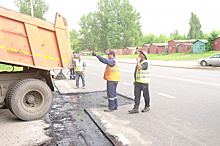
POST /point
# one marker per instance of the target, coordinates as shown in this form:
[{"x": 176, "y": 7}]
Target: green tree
[
  {"x": 162, "y": 38},
  {"x": 115, "y": 25},
  {"x": 176, "y": 36},
  {"x": 149, "y": 38},
  {"x": 195, "y": 31},
  {"x": 87, "y": 32},
  {"x": 74, "y": 40},
  {"x": 130, "y": 22},
  {"x": 39, "y": 7},
  {"x": 213, "y": 35},
  {"x": 74, "y": 34}
]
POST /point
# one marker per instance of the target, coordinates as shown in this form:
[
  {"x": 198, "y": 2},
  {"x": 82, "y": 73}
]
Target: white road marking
[
  {"x": 97, "y": 114},
  {"x": 193, "y": 81},
  {"x": 122, "y": 139},
  {"x": 166, "y": 95},
  {"x": 106, "y": 124},
  {"x": 101, "y": 66},
  {"x": 212, "y": 75},
  {"x": 128, "y": 84}
]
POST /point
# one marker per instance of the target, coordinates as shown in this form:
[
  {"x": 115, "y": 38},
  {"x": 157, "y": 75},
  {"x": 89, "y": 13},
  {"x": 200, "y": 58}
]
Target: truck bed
[{"x": 31, "y": 42}]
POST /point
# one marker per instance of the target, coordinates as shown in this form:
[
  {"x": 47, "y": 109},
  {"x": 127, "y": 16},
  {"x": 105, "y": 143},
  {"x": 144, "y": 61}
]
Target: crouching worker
[
  {"x": 112, "y": 75},
  {"x": 141, "y": 82}
]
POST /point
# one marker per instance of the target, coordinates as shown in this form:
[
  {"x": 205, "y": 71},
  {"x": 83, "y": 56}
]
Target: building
[
  {"x": 146, "y": 47},
  {"x": 130, "y": 50},
  {"x": 118, "y": 51},
  {"x": 158, "y": 48},
  {"x": 216, "y": 44},
  {"x": 199, "y": 46},
  {"x": 183, "y": 48},
  {"x": 172, "y": 45},
  {"x": 138, "y": 49}
]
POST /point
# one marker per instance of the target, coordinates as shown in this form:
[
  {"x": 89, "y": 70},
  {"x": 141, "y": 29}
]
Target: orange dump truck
[{"x": 38, "y": 46}]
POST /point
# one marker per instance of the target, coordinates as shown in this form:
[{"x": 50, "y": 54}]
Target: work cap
[
  {"x": 145, "y": 54},
  {"x": 112, "y": 53}
]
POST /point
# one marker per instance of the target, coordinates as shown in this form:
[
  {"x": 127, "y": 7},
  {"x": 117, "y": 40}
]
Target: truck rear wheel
[{"x": 30, "y": 99}]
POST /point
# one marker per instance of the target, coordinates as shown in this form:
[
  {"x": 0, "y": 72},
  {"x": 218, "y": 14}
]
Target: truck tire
[
  {"x": 30, "y": 99},
  {"x": 8, "y": 93}
]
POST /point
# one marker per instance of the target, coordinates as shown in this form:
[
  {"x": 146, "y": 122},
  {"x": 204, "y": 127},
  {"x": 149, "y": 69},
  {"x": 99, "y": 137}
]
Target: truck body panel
[{"x": 32, "y": 42}]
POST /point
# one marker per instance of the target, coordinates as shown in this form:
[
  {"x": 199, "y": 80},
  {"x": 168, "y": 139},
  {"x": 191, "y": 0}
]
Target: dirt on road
[{"x": 71, "y": 124}]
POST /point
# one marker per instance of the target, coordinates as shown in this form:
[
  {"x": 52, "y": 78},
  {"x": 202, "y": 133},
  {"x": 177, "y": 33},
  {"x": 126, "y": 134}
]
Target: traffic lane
[
  {"x": 193, "y": 115},
  {"x": 94, "y": 76},
  {"x": 192, "y": 74},
  {"x": 197, "y": 75}
]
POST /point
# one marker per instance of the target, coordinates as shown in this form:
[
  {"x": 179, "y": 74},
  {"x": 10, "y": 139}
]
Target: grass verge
[{"x": 174, "y": 56}]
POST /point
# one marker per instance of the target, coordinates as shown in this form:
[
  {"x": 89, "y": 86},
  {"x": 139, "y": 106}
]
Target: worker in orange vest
[{"x": 112, "y": 75}]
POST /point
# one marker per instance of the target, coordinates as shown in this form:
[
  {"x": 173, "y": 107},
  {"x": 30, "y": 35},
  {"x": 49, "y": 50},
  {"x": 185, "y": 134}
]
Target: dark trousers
[
  {"x": 112, "y": 95},
  {"x": 137, "y": 93},
  {"x": 72, "y": 74}
]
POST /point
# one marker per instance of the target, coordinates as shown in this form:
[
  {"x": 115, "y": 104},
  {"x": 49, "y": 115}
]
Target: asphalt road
[{"x": 184, "y": 106}]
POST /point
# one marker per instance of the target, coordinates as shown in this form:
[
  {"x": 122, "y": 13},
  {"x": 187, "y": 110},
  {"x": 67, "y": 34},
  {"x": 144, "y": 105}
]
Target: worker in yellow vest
[
  {"x": 112, "y": 75},
  {"x": 141, "y": 82},
  {"x": 79, "y": 69}
]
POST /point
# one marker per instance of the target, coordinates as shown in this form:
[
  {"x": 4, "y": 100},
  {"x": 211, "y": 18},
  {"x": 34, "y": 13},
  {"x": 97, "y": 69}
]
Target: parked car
[
  {"x": 214, "y": 60},
  {"x": 76, "y": 56}
]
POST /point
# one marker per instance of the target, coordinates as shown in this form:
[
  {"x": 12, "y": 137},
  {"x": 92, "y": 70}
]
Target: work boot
[
  {"x": 133, "y": 111},
  {"x": 108, "y": 110},
  {"x": 147, "y": 108}
]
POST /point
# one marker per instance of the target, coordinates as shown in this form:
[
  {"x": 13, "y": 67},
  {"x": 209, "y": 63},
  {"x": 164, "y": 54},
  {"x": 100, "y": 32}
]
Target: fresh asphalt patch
[{"x": 72, "y": 123}]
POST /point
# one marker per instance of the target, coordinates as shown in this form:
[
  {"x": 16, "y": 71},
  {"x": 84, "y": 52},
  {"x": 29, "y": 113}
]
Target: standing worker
[
  {"x": 79, "y": 69},
  {"x": 141, "y": 82},
  {"x": 72, "y": 73},
  {"x": 112, "y": 75}
]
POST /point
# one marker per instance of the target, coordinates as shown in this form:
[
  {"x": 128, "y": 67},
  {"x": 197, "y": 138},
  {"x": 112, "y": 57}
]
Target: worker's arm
[
  {"x": 139, "y": 67},
  {"x": 110, "y": 62},
  {"x": 75, "y": 68},
  {"x": 84, "y": 68}
]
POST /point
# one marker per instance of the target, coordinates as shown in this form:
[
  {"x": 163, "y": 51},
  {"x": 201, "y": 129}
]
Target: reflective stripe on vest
[
  {"x": 79, "y": 65},
  {"x": 143, "y": 76},
  {"x": 112, "y": 73}
]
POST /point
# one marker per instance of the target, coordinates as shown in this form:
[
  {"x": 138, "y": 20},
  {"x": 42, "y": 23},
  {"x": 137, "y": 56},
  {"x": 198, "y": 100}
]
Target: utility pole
[{"x": 32, "y": 11}]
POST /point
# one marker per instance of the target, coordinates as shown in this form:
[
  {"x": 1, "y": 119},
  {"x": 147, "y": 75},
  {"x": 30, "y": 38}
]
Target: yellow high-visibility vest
[
  {"x": 79, "y": 65},
  {"x": 112, "y": 73},
  {"x": 143, "y": 76}
]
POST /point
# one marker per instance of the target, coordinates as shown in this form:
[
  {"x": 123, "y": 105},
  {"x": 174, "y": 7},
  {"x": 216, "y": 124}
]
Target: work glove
[{"x": 93, "y": 53}]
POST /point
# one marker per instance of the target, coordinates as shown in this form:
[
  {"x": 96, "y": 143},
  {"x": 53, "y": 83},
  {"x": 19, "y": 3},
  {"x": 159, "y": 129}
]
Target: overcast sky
[{"x": 157, "y": 16}]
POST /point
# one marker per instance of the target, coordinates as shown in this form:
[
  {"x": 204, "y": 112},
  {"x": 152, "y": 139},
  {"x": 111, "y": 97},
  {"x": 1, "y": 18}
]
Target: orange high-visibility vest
[{"x": 112, "y": 73}]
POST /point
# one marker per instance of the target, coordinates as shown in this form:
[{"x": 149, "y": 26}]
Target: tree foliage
[
  {"x": 176, "y": 36},
  {"x": 213, "y": 35},
  {"x": 115, "y": 25},
  {"x": 39, "y": 7},
  {"x": 195, "y": 31}
]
